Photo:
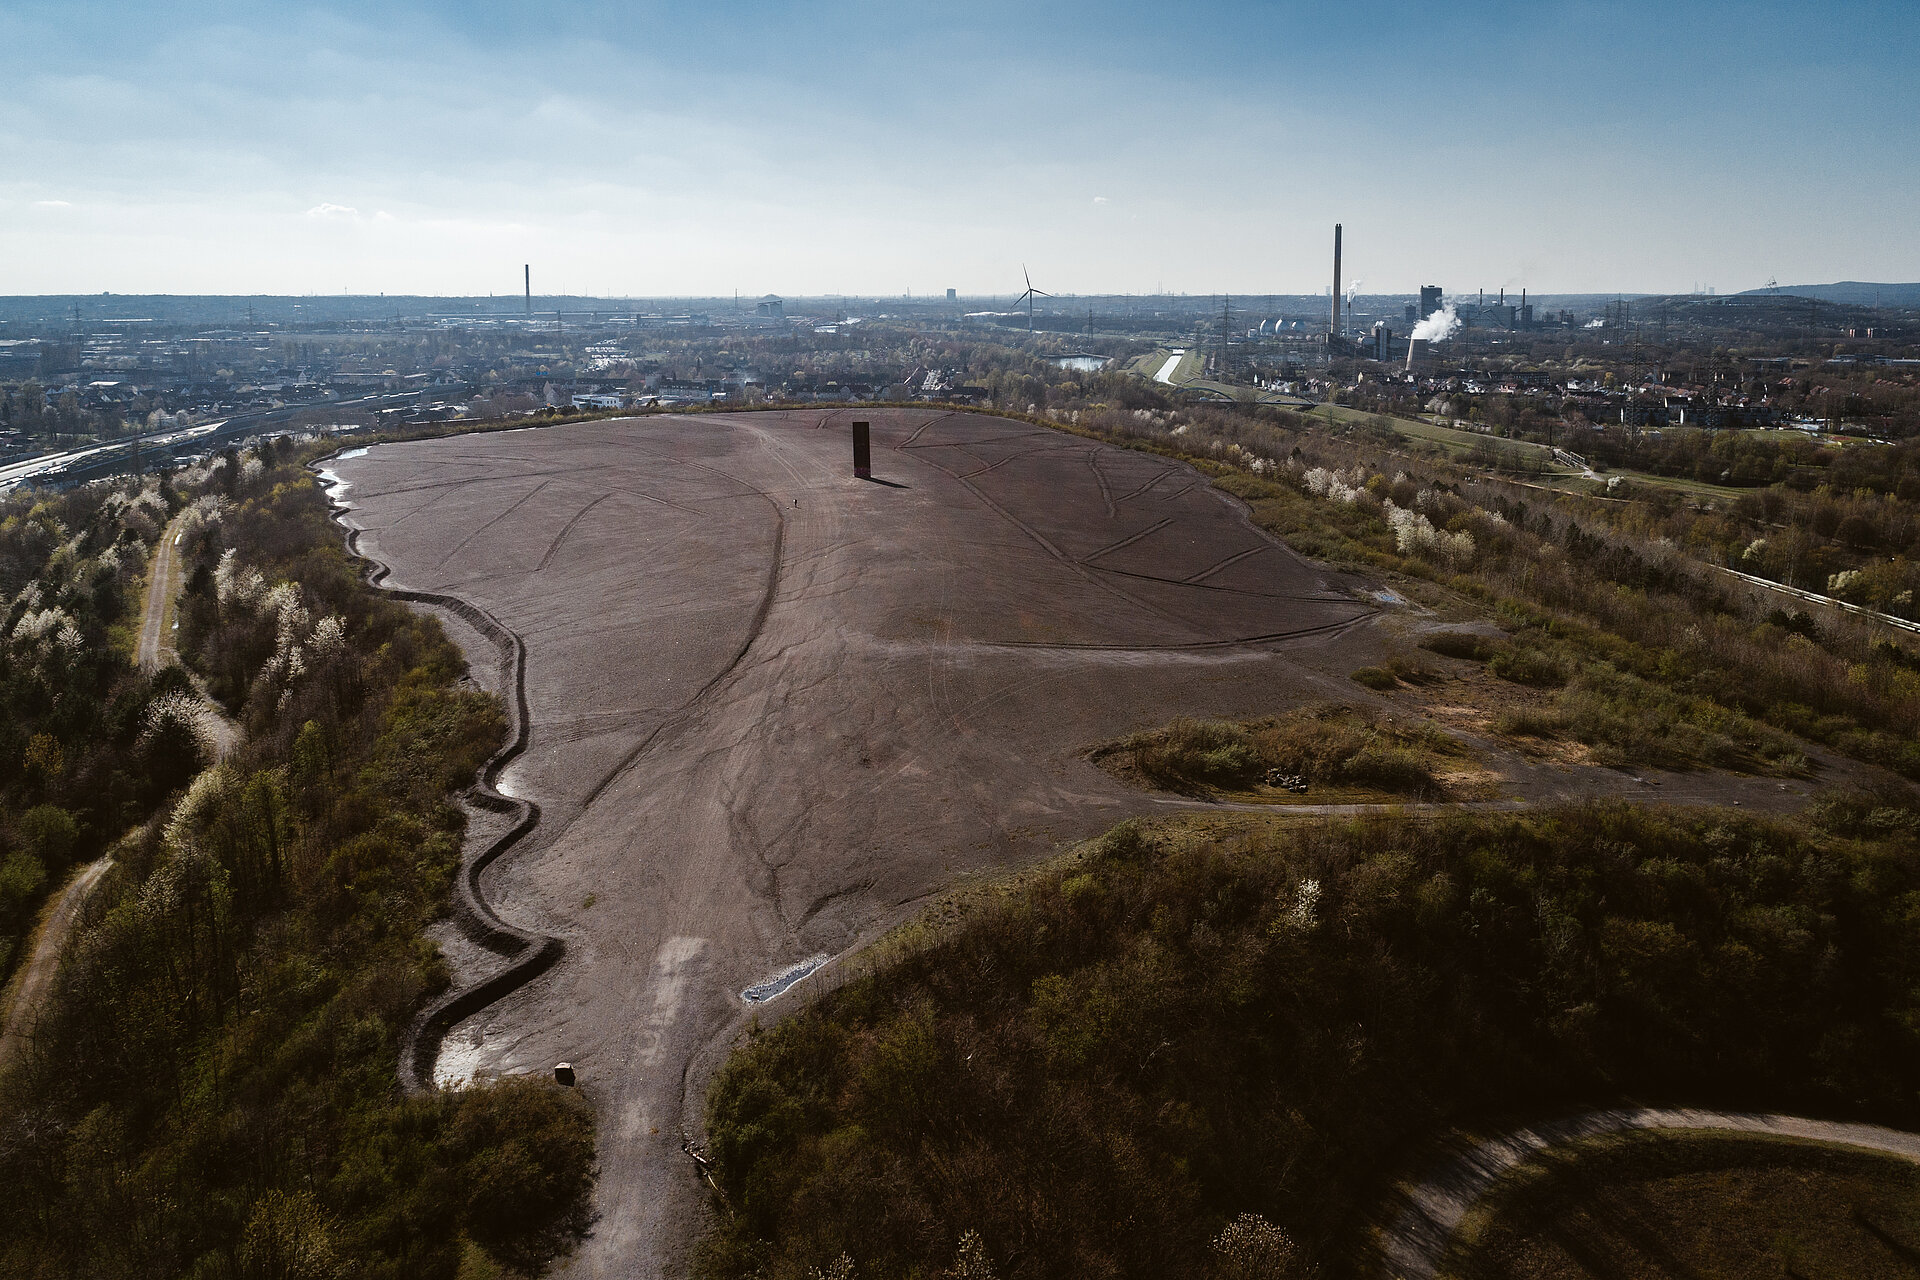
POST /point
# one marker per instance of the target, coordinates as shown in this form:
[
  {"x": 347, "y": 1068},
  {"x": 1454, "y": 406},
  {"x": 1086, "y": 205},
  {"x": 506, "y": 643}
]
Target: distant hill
[{"x": 1855, "y": 293}]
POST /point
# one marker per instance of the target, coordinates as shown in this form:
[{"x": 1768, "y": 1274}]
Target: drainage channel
[{"x": 760, "y": 992}]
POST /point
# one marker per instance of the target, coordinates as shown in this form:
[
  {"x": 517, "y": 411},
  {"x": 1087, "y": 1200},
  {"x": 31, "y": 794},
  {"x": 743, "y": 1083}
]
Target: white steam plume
[{"x": 1438, "y": 327}]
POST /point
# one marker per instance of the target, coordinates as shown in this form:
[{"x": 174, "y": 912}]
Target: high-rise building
[
  {"x": 951, "y": 296},
  {"x": 1429, "y": 300}
]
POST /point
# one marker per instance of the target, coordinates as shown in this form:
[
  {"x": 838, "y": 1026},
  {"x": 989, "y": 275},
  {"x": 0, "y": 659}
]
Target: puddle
[
  {"x": 764, "y": 991},
  {"x": 1387, "y": 597}
]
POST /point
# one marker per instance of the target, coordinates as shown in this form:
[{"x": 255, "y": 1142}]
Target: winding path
[
  {"x": 1414, "y": 1246},
  {"x": 31, "y": 984}
]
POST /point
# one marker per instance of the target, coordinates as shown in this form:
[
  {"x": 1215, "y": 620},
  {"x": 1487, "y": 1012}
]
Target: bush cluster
[
  {"x": 1328, "y": 746},
  {"x": 1102, "y": 1073}
]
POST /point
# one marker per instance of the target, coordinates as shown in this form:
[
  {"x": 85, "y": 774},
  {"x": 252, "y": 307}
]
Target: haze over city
[{"x": 673, "y": 150}]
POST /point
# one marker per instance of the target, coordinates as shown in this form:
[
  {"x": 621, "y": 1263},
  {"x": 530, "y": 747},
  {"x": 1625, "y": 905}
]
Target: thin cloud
[
  {"x": 333, "y": 211},
  {"x": 53, "y": 204},
  {"x": 1101, "y": 200}
]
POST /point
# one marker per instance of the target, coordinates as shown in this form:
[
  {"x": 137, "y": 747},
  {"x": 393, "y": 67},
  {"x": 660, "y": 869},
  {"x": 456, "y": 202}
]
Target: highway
[{"x": 83, "y": 462}]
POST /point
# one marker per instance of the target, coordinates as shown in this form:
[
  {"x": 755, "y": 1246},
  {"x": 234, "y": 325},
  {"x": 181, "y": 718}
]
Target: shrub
[
  {"x": 1375, "y": 678},
  {"x": 1531, "y": 722},
  {"x": 1331, "y": 746},
  {"x": 1204, "y": 752},
  {"x": 1528, "y": 665}
]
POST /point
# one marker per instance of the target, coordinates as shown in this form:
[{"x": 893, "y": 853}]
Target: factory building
[{"x": 1380, "y": 341}]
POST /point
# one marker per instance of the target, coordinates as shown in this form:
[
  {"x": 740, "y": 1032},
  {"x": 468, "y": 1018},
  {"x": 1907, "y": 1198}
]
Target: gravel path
[{"x": 1414, "y": 1246}]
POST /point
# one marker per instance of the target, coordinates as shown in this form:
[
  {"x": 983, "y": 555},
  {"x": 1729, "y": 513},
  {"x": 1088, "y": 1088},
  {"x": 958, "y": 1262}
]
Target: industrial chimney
[
  {"x": 529, "y": 271},
  {"x": 1334, "y": 331}
]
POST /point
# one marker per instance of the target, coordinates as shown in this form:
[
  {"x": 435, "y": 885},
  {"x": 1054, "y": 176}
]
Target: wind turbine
[{"x": 1030, "y": 295}]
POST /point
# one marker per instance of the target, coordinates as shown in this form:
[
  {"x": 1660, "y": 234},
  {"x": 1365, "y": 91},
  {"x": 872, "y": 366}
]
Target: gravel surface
[{"x": 772, "y": 706}]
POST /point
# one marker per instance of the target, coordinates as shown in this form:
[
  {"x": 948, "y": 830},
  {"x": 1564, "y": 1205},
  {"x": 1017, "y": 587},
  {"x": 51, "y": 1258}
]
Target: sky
[{"x": 658, "y": 150}]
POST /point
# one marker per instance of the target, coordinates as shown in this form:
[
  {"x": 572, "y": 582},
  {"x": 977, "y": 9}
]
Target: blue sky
[{"x": 659, "y": 149}]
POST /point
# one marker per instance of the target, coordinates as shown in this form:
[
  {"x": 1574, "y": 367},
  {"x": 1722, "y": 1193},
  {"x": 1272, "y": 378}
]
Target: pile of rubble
[{"x": 1291, "y": 781}]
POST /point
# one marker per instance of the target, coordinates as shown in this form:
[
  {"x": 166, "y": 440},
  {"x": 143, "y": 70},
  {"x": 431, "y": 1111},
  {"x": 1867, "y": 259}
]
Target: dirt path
[
  {"x": 29, "y": 986},
  {"x": 1413, "y": 1247},
  {"x": 161, "y": 589},
  {"x": 156, "y": 650}
]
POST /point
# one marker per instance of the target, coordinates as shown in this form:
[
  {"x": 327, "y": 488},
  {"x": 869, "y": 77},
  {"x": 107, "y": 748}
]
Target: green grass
[
  {"x": 1706, "y": 1204},
  {"x": 1191, "y": 365},
  {"x": 1458, "y": 445}
]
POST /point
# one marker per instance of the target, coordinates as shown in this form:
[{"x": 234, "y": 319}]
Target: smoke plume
[{"x": 1437, "y": 327}]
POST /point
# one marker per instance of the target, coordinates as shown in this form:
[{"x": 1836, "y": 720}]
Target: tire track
[
  {"x": 1127, "y": 541},
  {"x": 561, "y": 537},
  {"x": 1100, "y": 478},
  {"x": 753, "y": 633},
  {"x": 517, "y": 504},
  {"x": 1230, "y": 561}
]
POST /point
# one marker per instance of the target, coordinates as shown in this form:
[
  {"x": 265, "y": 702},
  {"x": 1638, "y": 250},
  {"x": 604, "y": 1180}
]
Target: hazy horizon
[{"x": 429, "y": 149}]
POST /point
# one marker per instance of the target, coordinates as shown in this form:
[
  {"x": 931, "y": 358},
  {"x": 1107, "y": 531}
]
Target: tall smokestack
[
  {"x": 1334, "y": 330},
  {"x": 529, "y": 270},
  {"x": 1410, "y": 344}
]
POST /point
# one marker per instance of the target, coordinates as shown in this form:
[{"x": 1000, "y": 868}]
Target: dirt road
[
  {"x": 155, "y": 645},
  {"x": 772, "y": 708},
  {"x": 1412, "y": 1249},
  {"x": 30, "y": 984},
  {"x": 155, "y": 649}
]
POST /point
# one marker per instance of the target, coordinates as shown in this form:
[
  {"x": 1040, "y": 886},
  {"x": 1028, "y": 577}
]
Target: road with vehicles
[{"x": 157, "y": 448}]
